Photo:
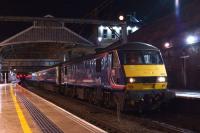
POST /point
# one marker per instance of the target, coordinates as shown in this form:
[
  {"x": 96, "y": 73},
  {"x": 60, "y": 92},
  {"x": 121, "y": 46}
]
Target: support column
[
  {"x": 5, "y": 78},
  {"x": 124, "y": 33},
  {"x": 64, "y": 58}
]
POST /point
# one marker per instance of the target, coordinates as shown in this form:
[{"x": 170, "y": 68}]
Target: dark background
[{"x": 146, "y": 10}]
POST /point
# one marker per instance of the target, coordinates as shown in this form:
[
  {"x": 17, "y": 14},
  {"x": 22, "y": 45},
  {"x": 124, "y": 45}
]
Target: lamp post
[
  {"x": 189, "y": 40},
  {"x": 167, "y": 45},
  {"x": 124, "y": 29},
  {"x": 184, "y": 70},
  {"x": 124, "y": 33}
]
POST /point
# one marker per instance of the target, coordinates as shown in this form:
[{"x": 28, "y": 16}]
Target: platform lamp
[
  {"x": 121, "y": 17},
  {"x": 191, "y": 39},
  {"x": 166, "y": 50},
  {"x": 124, "y": 29},
  {"x": 167, "y": 45}
]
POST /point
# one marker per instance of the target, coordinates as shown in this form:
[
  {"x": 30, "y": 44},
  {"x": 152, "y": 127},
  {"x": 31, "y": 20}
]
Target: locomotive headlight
[
  {"x": 161, "y": 79},
  {"x": 131, "y": 80}
]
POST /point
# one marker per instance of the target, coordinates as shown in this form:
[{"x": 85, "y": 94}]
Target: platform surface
[{"x": 16, "y": 105}]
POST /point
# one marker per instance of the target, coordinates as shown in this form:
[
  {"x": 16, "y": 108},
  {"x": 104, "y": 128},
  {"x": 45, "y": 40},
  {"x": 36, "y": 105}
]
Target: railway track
[
  {"x": 147, "y": 122},
  {"x": 108, "y": 119}
]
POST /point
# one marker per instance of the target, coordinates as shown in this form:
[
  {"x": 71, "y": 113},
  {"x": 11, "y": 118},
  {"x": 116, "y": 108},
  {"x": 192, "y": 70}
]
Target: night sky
[
  {"x": 81, "y": 8},
  {"x": 146, "y": 10}
]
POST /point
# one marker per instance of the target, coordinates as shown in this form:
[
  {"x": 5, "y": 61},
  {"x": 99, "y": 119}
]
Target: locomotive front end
[
  {"x": 145, "y": 76},
  {"x": 144, "y": 70}
]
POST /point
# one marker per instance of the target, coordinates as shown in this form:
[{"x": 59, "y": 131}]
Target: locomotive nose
[{"x": 144, "y": 70}]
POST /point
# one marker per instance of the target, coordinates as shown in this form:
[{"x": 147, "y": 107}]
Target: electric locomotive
[{"x": 132, "y": 74}]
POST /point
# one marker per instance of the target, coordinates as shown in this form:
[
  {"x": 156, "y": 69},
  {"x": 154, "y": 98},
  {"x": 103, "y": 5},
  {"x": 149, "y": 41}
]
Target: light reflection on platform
[
  {"x": 0, "y": 100},
  {"x": 187, "y": 94},
  {"x": 3, "y": 91}
]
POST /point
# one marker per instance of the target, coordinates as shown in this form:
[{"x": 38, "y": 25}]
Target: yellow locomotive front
[
  {"x": 145, "y": 76},
  {"x": 144, "y": 70}
]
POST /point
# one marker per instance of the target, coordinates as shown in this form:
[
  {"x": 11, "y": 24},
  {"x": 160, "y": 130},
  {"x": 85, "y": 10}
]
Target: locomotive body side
[
  {"x": 49, "y": 75},
  {"x": 92, "y": 72}
]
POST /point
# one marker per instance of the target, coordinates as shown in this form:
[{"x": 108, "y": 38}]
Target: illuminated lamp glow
[
  {"x": 177, "y": 3},
  {"x": 161, "y": 79},
  {"x": 167, "y": 45},
  {"x": 131, "y": 80},
  {"x": 121, "y": 17},
  {"x": 177, "y": 7},
  {"x": 191, "y": 39},
  {"x": 34, "y": 74},
  {"x": 135, "y": 28},
  {"x": 99, "y": 39}
]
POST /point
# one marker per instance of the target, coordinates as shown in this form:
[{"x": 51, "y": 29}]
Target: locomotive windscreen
[{"x": 139, "y": 57}]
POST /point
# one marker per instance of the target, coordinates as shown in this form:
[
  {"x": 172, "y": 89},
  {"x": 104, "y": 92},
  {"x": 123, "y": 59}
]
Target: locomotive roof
[
  {"x": 137, "y": 46},
  {"x": 117, "y": 46},
  {"x": 129, "y": 46}
]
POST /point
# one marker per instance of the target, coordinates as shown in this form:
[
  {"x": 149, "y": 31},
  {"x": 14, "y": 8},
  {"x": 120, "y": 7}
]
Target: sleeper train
[{"x": 132, "y": 74}]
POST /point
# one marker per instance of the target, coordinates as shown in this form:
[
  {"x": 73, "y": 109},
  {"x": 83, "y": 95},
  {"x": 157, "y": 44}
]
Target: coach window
[{"x": 98, "y": 65}]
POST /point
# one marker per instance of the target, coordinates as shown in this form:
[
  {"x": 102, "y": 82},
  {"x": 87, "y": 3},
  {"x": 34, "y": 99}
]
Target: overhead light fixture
[
  {"x": 167, "y": 45},
  {"x": 191, "y": 39}
]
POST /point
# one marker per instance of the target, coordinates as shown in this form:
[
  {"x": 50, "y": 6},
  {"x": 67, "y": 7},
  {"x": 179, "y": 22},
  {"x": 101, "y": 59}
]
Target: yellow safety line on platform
[{"x": 20, "y": 114}]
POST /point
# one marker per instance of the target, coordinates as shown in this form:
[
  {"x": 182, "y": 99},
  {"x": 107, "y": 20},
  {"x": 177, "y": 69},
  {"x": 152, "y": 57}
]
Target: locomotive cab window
[{"x": 140, "y": 57}]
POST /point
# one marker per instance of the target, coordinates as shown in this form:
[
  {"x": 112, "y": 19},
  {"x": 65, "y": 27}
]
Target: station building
[{"x": 107, "y": 34}]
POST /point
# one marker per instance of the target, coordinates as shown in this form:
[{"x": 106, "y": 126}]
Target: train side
[
  {"x": 132, "y": 74},
  {"x": 49, "y": 75},
  {"x": 95, "y": 71}
]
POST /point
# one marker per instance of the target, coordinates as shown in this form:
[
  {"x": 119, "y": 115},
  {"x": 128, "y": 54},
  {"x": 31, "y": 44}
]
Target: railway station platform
[{"x": 22, "y": 111}]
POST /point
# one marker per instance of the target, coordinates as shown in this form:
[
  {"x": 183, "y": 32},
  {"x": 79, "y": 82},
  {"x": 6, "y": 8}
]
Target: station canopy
[{"x": 43, "y": 44}]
